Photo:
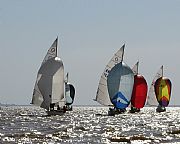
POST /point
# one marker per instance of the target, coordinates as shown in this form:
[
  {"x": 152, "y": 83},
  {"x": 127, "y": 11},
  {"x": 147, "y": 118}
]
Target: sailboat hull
[{"x": 55, "y": 112}]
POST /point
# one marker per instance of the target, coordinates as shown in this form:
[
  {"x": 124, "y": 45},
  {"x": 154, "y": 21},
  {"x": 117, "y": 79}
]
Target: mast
[
  {"x": 162, "y": 71},
  {"x": 123, "y": 52},
  {"x": 67, "y": 76},
  {"x": 56, "y": 46},
  {"x": 137, "y": 66}
]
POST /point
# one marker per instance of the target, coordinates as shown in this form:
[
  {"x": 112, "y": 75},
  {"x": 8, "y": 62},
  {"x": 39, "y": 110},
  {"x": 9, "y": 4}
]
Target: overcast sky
[{"x": 90, "y": 32}]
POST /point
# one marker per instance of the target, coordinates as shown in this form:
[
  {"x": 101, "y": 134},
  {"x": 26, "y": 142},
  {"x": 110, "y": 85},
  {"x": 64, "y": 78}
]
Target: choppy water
[{"x": 85, "y": 125}]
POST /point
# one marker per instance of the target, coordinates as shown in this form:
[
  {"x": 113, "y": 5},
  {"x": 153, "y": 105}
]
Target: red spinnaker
[{"x": 139, "y": 93}]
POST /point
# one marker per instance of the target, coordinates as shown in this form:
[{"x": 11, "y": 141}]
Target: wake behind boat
[{"x": 49, "y": 87}]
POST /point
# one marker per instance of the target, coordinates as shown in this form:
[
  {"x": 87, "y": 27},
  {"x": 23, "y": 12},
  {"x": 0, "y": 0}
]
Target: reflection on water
[{"x": 88, "y": 124}]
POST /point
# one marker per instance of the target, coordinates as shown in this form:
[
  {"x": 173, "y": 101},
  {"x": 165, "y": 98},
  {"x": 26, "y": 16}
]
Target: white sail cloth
[
  {"x": 151, "y": 100},
  {"x": 49, "y": 87}
]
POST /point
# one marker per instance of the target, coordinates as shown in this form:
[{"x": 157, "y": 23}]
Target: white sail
[
  {"x": 151, "y": 100},
  {"x": 52, "y": 52},
  {"x": 135, "y": 68},
  {"x": 102, "y": 95},
  {"x": 49, "y": 86},
  {"x": 58, "y": 81},
  {"x": 37, "y": 96}
]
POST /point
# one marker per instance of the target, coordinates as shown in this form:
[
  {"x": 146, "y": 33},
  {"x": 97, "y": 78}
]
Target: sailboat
[
  {"x": 48, "y": 91},
  {"x": 159, "y": 92},
  {"x": 69, "y": 94},
  {"x": 102, "y": 95},
  {"x": 139, "y": 93},
  {"x": 116, "y": 83},
  {"x": 163, "y": 92}
]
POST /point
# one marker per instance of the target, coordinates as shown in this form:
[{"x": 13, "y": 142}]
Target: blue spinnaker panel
[
  {"x": 120, "y": 83},
  {"x": 120, "y": 101}
]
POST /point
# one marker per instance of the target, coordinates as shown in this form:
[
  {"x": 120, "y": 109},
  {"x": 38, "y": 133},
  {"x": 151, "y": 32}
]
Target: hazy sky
[{"x": 90, "y": 32}]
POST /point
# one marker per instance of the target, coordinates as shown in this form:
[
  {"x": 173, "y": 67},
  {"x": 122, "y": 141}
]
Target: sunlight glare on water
[{"x": 28, "y": 124}]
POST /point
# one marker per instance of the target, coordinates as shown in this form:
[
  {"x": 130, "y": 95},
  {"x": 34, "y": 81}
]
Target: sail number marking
[{"x": 106, "y": 72}]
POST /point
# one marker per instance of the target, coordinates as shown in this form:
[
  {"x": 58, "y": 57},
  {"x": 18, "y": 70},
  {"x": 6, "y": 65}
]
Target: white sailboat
[
  {"x": 151, "y": 99},
  {"x": 102, "y": 95},
  {"x": 49, "y": 87}
]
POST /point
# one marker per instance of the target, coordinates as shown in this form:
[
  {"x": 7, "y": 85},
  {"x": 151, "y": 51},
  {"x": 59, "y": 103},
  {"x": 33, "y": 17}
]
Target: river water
[{"x": 29, "y": 124}]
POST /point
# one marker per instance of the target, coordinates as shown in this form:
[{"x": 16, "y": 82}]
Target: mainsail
[
  {"x": 120, "y": 85},
  {"x": 102, "y": 95},
  {"x": 151, "y": 100},
  {"x": 49, "y": 86},
  {"x": 139, "y": 93},
  {"x": 52, "y": 52},
  {"x": 135, "y": 68}
]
